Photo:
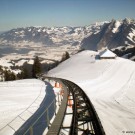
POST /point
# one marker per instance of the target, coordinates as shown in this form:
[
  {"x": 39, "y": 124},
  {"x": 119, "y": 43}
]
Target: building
[{"x": 107, "y": 54}]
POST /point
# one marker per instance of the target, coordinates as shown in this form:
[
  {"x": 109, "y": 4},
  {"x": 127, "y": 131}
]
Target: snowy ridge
[
  {"x": 131, "y": 35},
  {"x": 117, "y": 25},
  {"x": 50, "y": 36},
  {"x": 22, "y": 44},
  {"x": 109, "y": 85},
  {"x": 113, "y": 34}
]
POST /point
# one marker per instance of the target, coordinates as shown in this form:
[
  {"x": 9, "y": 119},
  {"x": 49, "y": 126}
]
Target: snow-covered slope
[
  {"x": 23, "y": 44},
  {"x": 18, "y": 101},
  {"x": 110, "y": 85}
]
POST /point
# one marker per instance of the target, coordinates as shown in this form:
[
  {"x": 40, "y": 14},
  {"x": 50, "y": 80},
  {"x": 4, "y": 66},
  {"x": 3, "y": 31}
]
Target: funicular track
[{"x": 84, "y": 117}]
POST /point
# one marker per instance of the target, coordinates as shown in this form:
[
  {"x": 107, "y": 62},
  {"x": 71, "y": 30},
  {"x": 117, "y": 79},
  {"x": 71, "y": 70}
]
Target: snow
[
  {"x": 31, "y": 62},
  {"x": 33, "y": 34},
  {"x": 21, "y": 62},
  {"x": 44, "y": 30},
  {"x": 16, "y": 71},
  {"x": 116, "y": 26},
  {"x": 29, "y": 30},
  {"x": 39, "y": 30},
  {"x": 46, "y": 61},
  {"x": 131, "y": 35},
  {"x": 22, "y": 31},
  {"x": 107, "y": 53},
  {"x": 18, "y": 99},
  {"x": 22, "y": 35},
  {"x": 5, "y": 63},
  {"x": 110, "y": 86},
  {"x": 48, "y": 54},
  {"x": 61, "y": 37}
]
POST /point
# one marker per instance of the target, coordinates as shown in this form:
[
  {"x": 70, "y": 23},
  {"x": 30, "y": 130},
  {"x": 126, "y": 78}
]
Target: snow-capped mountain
[
  {"x": 93, "y": 37},
  {"x": 23, "y": 44},
  {"x": 112, "y": 35},
  {"x": 50, "y": 36}
]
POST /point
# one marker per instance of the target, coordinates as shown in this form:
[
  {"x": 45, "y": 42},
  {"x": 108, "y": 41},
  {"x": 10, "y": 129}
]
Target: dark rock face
[
  {"x": 112, "y": 35},
  {"x": 125, "y": 52}
]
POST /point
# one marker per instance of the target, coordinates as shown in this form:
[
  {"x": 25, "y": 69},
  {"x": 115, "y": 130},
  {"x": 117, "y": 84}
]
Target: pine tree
[
  {"x": 65, "y": 56},
  {"x": 24, "y": 73},
  {"x": 36, "y": 69},
  {"x": 20, "y": 75},
  {"x": 9, "y": 76},
  {"x": 12, "y": 76},
  {"x": 6, "y": 75}
]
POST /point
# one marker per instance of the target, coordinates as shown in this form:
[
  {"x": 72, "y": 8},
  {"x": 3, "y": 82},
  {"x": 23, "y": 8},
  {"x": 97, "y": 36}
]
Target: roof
[{"x": 107, "y": 53}]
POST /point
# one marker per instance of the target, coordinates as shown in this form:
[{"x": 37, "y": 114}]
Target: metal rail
[
  {"x": 84, "y": 117},
  {"x": 40, "y": 120},
  {"x": 57, "y": 123}
]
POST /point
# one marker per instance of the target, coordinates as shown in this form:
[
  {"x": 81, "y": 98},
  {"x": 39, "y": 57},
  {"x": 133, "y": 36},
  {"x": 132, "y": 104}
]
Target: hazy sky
[{"x": 22, "y": 13}]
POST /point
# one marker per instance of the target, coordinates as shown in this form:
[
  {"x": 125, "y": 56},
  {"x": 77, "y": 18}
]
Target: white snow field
[
  {"x": 110, "y": 85},
  {"x": 18, "y": 101}
]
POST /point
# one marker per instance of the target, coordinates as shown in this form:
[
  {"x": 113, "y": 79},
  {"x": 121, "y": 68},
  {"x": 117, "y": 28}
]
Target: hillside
[
  {"x": 18, "y": 47},
  {"x": 113, "y": 34},
  {"x": 108, "y": 83},
  {"x": 19, "y": 100},
  {"x": 49, "y": 36}
]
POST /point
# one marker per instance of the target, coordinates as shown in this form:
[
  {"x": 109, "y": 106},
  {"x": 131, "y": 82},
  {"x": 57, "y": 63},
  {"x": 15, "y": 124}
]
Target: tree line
[{"x": 31, "y": 72}]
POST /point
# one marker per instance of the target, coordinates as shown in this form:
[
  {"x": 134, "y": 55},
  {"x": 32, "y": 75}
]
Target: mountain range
[
  {"x": 111, "y": 34},
  {"x": 50, "y": 36}
]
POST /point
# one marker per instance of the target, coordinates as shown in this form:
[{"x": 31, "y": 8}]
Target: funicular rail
[
  {"x": 84, "y": 117},
  {"x": 57, "y": 123}
]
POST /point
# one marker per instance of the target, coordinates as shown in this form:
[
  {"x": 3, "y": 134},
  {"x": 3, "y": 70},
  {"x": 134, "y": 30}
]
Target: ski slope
[
  {"x": 18, "y": 101},
  {"x": 110, "y": 85}
]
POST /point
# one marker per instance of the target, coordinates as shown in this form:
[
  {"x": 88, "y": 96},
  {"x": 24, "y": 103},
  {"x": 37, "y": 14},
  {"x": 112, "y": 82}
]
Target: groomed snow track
[{"x": 84, "y": 117}]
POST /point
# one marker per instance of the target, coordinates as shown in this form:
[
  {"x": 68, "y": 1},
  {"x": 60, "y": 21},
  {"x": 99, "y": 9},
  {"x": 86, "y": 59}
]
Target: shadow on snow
[{"x": 41, "y": 124}]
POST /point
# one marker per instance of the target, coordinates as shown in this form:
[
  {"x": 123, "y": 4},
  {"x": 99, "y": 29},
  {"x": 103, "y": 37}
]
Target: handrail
[
  {"x": 31, "y": 127},
  {"x": 57, "y": 123},
  {"x": 90, "y": 119},
  {"x": 98, "y": 128},
  {"x": 84, "y": 116},
  {"x": 21, "y": 113},
  {"x": 39, "y": 117}
]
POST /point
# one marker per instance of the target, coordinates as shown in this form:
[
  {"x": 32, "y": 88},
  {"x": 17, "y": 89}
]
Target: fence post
[
  {"x": 47, "y": 115},
  {"x": 58, "y": 99},
  {"x": 31, "y": 130},
  {"x": 55, "y": 106}
]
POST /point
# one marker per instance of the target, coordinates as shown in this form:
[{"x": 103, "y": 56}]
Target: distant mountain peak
[
  {"x": 50, "y": 36},
  {"x": 100, "y": 34},
  {"x": 113, "y": 34},
  {"x": 128, "y": 21}
]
